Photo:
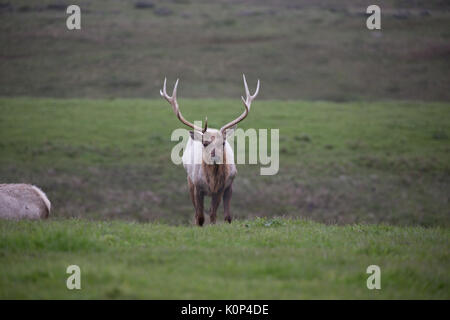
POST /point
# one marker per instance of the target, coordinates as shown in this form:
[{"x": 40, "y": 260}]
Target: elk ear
[
  {"x": 230, "y": 132},
  {"x": 196, "y": 135}
]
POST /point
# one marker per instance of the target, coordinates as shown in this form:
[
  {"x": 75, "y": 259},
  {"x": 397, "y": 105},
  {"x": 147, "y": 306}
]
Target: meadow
[
  {"x": 347, "y": 170},
  {"x": 364, "y": 124},
  {"x": 383, "y": 162},
  {"x": 250, "y": 259}
]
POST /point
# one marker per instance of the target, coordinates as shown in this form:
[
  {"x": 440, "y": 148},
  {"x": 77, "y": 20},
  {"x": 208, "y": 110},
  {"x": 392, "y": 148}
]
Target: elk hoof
[
  {"x": 228, "y": 219},
  {"x": 200, "y": 221}
]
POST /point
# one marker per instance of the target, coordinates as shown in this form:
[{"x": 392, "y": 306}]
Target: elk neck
[{"x": 216, "y": 174}]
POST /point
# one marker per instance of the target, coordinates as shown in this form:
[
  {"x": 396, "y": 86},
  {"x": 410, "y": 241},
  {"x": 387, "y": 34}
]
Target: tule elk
[{"x": 209, "y": 159}]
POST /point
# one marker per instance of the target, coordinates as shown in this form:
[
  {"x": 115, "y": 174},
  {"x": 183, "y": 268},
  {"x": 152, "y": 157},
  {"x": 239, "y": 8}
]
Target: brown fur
[{"x": 216, "y": 176}]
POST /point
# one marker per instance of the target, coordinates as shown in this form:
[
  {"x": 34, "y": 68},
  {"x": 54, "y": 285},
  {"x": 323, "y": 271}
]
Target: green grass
[
  {"x": 384, "y": 162},
  {"x": 374, "y": 176},
  {"x": 304, "y": 50},
  {"x": 355, "y": 167},
  {"x": 250, "y": 259}
]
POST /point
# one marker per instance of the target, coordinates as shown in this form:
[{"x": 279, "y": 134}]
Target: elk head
[{"x": 213, "y": 140}]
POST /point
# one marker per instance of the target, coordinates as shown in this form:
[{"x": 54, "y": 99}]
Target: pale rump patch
[{"x": 43, "y": 197}]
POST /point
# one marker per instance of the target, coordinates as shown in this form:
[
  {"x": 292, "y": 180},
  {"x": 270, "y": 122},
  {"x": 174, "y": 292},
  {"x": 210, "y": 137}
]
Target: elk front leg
[
  {"x": 215, "y": 201},
  {"x": 199, "y": 216},
  {"x": 192, "y": 193},
  {"x": 226, "y": 203}
]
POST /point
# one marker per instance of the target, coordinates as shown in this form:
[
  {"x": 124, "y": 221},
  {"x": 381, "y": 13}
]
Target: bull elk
[
  {"x": 23, "y": 201},
  {"x": 214, "y": 172}
]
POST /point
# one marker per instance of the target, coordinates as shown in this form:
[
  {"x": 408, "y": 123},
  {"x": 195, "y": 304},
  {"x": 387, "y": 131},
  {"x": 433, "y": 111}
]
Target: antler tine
[
  {"x": 163, "y": 91},
  {"x": 256, "y": 91},
  {"x": 249, "y": 97},
  {"x": 247, "y": 92},
  {"x": 173, "y": 102},
  {"x": 247, "y": 104},
  {"x": 206, "y": 125}
]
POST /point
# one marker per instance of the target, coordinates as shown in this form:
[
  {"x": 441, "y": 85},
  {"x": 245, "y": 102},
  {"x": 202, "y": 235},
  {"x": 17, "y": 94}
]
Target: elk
[
  {"x": 209, "y": 159},
  {"x": 23, "y": 201}
]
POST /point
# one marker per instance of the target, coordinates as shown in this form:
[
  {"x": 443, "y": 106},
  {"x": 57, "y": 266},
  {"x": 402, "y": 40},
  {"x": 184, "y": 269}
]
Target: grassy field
[
  {"x": 105, "y": 165},
  {"x": 250, "y": 259},
  {"x": 339, "y": 162},
  {"x": 364, "y": 120},
  {"x": 305, "y": 49}
]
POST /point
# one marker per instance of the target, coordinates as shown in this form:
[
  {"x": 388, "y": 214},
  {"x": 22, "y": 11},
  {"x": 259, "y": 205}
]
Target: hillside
[{"x": 312, "y": 50}]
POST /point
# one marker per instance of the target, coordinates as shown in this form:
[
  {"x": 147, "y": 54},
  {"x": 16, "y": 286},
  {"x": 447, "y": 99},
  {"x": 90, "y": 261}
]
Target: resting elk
[
  {"x": 23, "y": 201},
  {"x": 209, "y": 159}
]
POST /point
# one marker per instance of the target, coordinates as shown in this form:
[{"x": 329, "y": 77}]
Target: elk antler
[
  {"x": 173, "y": 102},
  {"x": 247, "y": 103}
]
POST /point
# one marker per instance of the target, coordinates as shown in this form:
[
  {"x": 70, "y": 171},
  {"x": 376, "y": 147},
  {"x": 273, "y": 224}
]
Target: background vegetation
[{"x": 300, "y": 49}]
